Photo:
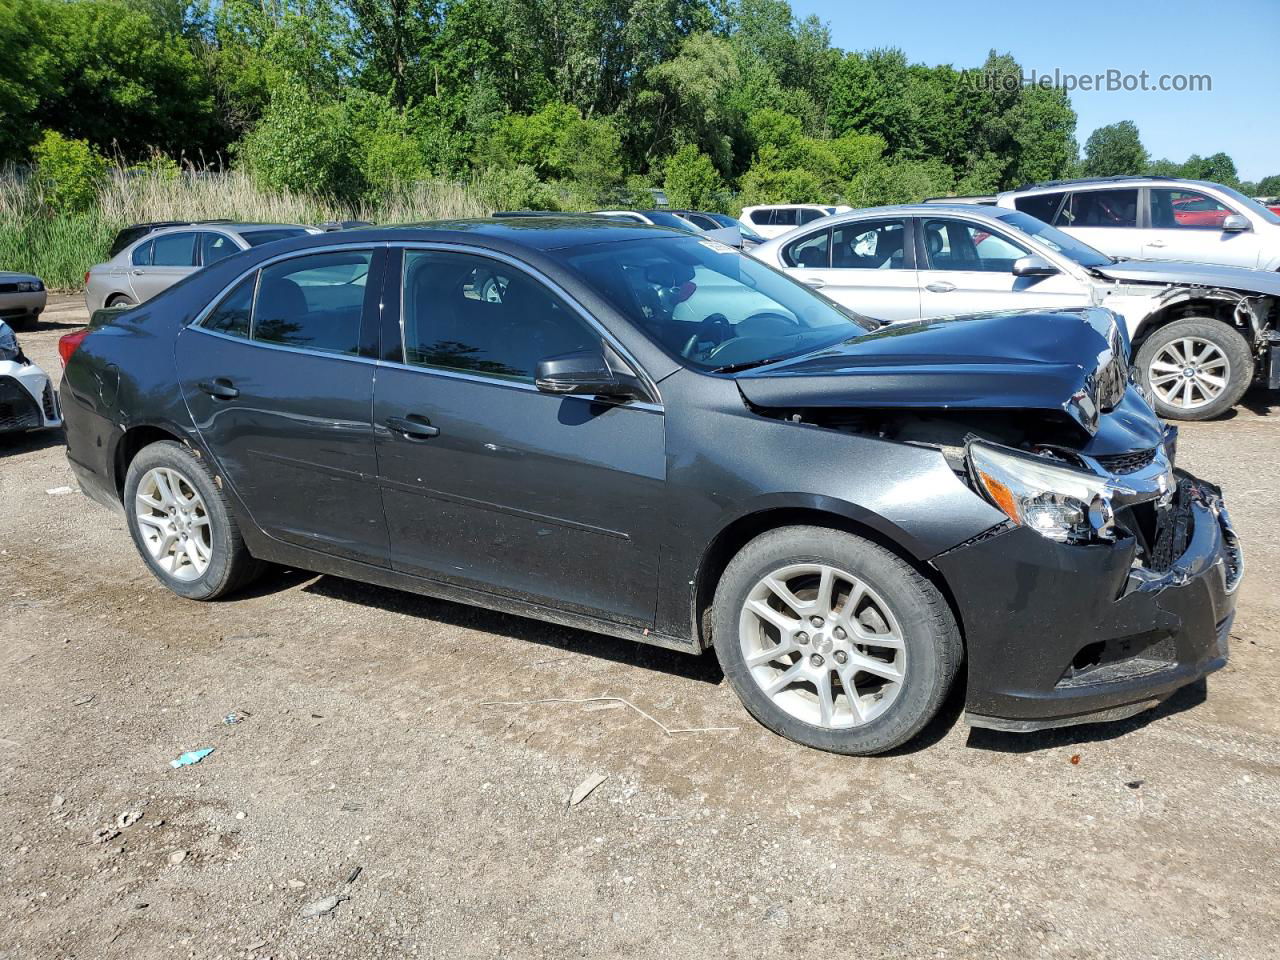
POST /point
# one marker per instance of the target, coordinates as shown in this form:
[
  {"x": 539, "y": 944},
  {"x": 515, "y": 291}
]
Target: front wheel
[
  {"x": 833, "y": 641},
  {"x": 182, "y": 525},
  {"x": 1196, "y": 369}
]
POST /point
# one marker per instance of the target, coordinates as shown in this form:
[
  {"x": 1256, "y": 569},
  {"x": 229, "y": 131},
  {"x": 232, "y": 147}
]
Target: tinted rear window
[
  {"x": 1042, "y": 206},
  {"x": 256, "y": 238}
]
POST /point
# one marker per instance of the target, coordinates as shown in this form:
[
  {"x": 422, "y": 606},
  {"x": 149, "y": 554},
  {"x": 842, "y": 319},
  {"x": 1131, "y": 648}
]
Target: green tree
[
  {"x": 1115, "y": 149},
  {"x": 304, "y": 145},
  {"x": 900, "y": 181},
  {"x": 69, "y": 172},
  {"x": 1268, "y": 186},
  {"x": 1043, "y": 131},
  {"x": 692, "y": 180},
  {"x": 687, "y": 100}
]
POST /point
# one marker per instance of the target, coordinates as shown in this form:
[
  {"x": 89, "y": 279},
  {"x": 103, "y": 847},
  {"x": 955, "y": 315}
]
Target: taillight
[
  {"x": 69, "y": 343},
  {"x": 86, "y": 278}
]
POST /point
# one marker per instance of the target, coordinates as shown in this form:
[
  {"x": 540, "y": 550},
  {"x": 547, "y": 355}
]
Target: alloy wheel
[
  {"x": 822, "y": 645},
  {"x": 1189, "y": 373},
  {"x": 174, "y": 523}
]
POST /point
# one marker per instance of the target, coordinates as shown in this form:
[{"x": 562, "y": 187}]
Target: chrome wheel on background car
[
  {"x": 174, "y": 523},
  {"x": 822, "y": 645},
  {"x": 1189, "y": 373}
]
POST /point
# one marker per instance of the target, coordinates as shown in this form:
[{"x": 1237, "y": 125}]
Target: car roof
[
  {"x": 971, "y": 210},
  {"x": 1054, "y": 186},
  {"x": 541, "y": 233},
  {"x": 790, "y": 206}
]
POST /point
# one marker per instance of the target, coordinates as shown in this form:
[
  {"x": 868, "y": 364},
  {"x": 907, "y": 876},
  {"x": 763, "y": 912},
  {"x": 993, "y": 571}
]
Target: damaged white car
[
  {"x": 1202, "y": 333},
  {"x": 27, "y": 398}
]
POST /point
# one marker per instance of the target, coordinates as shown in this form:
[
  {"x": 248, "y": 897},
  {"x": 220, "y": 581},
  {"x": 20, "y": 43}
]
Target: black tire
[
  {"x": 119, "y": 300},
  {"x": 230, "y": 564},
  {"x": 1223, "y": 336},
  {"x": 933, "y": 646}
]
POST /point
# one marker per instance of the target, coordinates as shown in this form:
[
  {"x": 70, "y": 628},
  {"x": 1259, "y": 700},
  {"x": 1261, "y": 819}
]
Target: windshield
[
  {"x": 706, "y": 303},
  {"x": 1055, "y": 239},
  {"x": 669, "y": 220},
  {"x": 1251, "y": 204},
  {"x": 256, "y": 238}
]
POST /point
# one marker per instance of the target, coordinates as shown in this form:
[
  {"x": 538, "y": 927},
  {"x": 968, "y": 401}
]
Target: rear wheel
[
  {"x": 1196, "y": 369},
  {"x": 119, "y": 300},
  {"x": 182, "y": 525},
  {"x": 833, "y": 641}
]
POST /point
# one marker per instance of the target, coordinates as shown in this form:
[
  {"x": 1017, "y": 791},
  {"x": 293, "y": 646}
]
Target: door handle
[
  {"x": 413, "y": 427},
  {"x": 816, "y": 282},
  {"x": 220, "y": 389},
  {"x": 1155, "y": 243},
  {"x": 940, "y": 286},
  {"x": 135, "y": 273}
]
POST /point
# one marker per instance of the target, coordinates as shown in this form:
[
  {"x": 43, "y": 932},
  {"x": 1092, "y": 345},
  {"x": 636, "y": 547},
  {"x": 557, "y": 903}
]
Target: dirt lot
[{"x": 365, "y": 745}]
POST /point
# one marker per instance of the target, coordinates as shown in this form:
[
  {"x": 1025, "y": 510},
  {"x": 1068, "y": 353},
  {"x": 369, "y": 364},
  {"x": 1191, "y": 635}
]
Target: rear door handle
[
  {"x": 816, "y": 282},
  {"x": 220, "y": 389},
  {"x": 1155, "y": 243},
  {"x": 940, "y": 286},
  {"x": 413, "y": 427}
]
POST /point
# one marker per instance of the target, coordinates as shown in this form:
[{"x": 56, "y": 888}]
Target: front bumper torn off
[{"x": 1059, "y": 635}]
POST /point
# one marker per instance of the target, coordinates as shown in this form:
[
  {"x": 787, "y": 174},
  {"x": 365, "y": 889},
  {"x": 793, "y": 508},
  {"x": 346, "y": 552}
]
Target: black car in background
[{"x": 640, "y": 432}]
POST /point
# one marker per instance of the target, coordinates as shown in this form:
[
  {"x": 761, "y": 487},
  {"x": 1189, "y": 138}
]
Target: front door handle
[
  {"x": 220, "y": 389},
  {"x": 413, "y": 427},
  {"x": 940, "y": 286},
  {"x": 816, "y": 282}
]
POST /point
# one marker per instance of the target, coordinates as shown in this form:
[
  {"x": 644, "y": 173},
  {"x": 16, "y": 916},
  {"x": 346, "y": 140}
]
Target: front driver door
[
  {"x": 173, "y": 256},
  {"x": 1187, "y": 225},
  {"x": 487, "y": 482},
  {"x": 969, "y": 269},
  {"x": 279, "y": 382}
]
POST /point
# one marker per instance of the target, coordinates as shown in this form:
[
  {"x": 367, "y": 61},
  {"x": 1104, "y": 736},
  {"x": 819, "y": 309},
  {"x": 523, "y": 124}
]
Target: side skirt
[{"x": 290, "y": 555}]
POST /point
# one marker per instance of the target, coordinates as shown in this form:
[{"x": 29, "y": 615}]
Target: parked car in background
[
  {"x": 775, "y": 219},
  {"x": 1157, "y": 218},
  {"x": 27, "y": 397},
  {"x": 719, "y": 221},
  {"x": 161, "y": 257},
  {"x": 22, "y": 299},
  {"x": 1202, "y": 332},
  {"x": 136, "y": 231},
  {"x": 609, "y": 440},
  {"x": 679, "y": 220}
]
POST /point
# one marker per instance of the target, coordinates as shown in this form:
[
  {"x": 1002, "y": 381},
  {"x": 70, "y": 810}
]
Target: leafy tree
[
  {"x": 69, "y": 172},
  {"x": 304, "y": 145},
  {"x": 692, "y": 180},
  {"x": 1115, "y": 149},
  {"x": 687, "y": 100},
  {"x": 1268, "y": 186},
  {"x": 558, "y": 143},
  {"x": 901, "y": 181},
  {"x": 1043, "y": 130},
  {"x": 514, "y": 188}
]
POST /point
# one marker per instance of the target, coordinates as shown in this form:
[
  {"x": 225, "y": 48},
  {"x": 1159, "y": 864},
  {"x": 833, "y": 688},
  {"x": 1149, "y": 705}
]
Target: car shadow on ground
[
  {"x": 46, "y": 326},
  {"x": 996, "y": 741},
  {"x": 12, "y": 444},
  {"x": 703, "y": 669}
]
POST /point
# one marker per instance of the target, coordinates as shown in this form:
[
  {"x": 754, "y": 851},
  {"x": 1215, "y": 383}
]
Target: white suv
[
  {"x": 1157, "y": 218},
  {"x": 776, "y": 219}
]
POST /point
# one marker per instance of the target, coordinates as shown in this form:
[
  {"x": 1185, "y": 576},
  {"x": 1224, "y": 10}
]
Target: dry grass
[{"x": 61, "y": 247}]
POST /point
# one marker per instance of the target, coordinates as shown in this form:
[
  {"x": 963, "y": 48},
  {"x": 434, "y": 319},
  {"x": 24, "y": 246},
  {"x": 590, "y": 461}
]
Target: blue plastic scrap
[{"x": 190, "y": 757}]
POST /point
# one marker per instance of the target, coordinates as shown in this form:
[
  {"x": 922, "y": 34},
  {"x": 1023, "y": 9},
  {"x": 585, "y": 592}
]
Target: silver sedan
[{"x": 163, "y": 257}]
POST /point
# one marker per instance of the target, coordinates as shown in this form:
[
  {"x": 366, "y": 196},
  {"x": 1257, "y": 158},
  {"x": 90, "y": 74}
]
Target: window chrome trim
[{"x": 538, "y": 277}]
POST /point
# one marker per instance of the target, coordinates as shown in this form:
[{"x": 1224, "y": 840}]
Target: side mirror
[
  {"x": 585, "y": 373},
  {"x": 1033, "y": 266},
  {"x": 1236, "y": 223}
]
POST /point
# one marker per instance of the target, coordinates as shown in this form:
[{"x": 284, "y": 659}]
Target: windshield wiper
[{"x": 746, "y": 365}]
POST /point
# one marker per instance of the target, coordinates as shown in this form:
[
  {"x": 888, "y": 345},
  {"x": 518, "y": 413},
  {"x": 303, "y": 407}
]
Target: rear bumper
[{"x": 1059, "y": 635}]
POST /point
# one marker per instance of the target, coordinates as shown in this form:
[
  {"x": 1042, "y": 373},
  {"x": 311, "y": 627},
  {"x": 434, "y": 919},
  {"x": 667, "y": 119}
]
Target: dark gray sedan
[{"x": 646, "y": 434}]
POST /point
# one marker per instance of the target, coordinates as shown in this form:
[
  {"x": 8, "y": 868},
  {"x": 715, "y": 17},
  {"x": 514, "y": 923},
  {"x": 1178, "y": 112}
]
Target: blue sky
[{"x": 1236, "y": 42}]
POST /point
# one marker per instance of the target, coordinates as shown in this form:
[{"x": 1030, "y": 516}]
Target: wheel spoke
[
  {"x": 785, "y": 679},
  {"x": 1165, "y": 366},
  {"x": 769, "y": 615},
  {"x": 886, "y": 671},
  {"x": 151, "y": 520},
  {"x": 826, "y": 701},
  {"x": 847, "y": 672},
  {"x": 768, "y": 656},
  {"x": 783, "y": 593},
  {"x": 826, "y": 584}
]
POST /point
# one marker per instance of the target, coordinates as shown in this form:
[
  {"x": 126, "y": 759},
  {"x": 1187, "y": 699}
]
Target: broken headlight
[
  {"x": 8, "y": 343},
  {"x": 1056, "y": 500}
]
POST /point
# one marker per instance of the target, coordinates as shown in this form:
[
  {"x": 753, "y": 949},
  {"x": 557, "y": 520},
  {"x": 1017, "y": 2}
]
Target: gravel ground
[{"x": 367, "y": 767}]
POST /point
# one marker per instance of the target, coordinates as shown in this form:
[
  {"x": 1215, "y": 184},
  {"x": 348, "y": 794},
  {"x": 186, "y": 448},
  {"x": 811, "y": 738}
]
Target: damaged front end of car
[
  {"x": 1112, "y": 581},
  {"x": 27, "y": 397}
]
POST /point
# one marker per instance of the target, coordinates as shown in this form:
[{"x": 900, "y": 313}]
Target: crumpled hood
[
  {"x": 1037, "y": 360},
  {"x": 1199, "y": 274}
]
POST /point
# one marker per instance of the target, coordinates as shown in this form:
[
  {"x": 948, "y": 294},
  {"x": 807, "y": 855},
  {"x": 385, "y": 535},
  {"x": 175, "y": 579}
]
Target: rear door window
[
  {"x": 808, "y": 216},
  {"x": 1100, "y": 208},
  {"x": 313, "y": 302},
  {"x": 784, "y": 217},
  {"x": 812, "y": 252},
  {"x": 142, "y": 254},
  {"x": 174, "y": 250},
  {"x": 869, "y": 245},
  {"x": 1042, "y": 206}
]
